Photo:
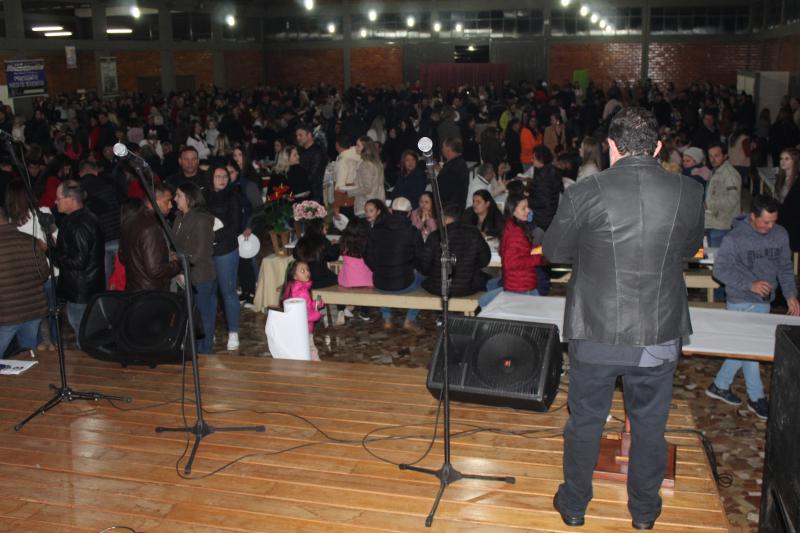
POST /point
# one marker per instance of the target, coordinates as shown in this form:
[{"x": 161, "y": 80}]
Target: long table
[{"x": 717, "y": 332}]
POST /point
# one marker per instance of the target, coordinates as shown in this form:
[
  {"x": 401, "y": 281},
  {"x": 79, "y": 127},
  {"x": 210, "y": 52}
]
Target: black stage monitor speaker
[
  {"x": 135, "y": 327},
  {"x": 500, "y": 362},
  {"x": 780, "y": 490}
]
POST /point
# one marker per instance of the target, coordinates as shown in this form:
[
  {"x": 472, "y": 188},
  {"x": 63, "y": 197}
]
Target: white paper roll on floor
[{"x": 287, "y": 331}]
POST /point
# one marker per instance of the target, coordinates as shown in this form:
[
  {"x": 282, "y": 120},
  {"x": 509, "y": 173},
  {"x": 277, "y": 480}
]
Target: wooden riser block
[{"x": 612, "y": 462}]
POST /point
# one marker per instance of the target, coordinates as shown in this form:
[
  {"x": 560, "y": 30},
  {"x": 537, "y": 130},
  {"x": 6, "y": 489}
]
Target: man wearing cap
[{"x": 393, "y": 250}]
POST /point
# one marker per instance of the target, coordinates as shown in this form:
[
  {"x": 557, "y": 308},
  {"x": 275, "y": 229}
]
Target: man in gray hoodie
[{"x": 753, "y": 260}]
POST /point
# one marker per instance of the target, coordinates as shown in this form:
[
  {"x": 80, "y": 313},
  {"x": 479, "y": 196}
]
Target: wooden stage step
[{"x": 86, "y": 466}]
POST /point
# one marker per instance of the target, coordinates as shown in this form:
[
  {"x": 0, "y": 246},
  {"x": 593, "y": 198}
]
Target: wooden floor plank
[{"x": 86, "y": 464}]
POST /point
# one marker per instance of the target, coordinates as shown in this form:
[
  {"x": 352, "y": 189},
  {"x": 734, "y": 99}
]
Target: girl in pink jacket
[{"x": 298, "y": 285}]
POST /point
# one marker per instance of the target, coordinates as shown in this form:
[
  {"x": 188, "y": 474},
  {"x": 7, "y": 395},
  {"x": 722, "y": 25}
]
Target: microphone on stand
[
  {"x": 122, "y": 152},
  {"x": 425, "y": 146}
]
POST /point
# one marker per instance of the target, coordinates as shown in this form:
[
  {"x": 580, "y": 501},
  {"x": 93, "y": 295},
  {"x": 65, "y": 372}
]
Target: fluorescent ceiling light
[
  {"x": 584, "y": 11},
  {"x": 594, "y": 18},
  {"x": 309, "y": 4},
  {"x": 410, "y": 21},
  {"x": 565, "y": 3},
  {"x": 58, "y": 34},
  {"x": 459, "y": 26},
  {"x": 363, "y": 32},
  {"x": 437, "y": 26},
  {"x": 47, "y": 28},
  {"x": 230, "y": 20},
  {"x": 136, "y": 12},
  {"x": 372, "y": 15},
  {"x": 118, "y": 30},
  {"x": 331, "y": 28},
  {"x": 603, "y": 24}
]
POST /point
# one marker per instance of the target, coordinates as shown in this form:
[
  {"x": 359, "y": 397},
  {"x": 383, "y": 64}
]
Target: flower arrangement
[
  {"x": 309, "y": 210},
  {"x": 276, "y": 214}
]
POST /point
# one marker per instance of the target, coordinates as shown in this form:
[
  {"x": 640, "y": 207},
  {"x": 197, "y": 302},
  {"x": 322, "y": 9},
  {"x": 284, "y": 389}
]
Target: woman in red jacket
[{"x": 519, "y": 255}]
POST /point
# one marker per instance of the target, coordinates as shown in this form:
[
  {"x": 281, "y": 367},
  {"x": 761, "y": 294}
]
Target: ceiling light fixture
[
  {"x": 603, "y": 24},
  {"x": 459, "y": 27},
  {"x": 594, "y": 18},
  {"x": 566, "y": 3},
  {"x": 584, "y": 11},
  {"x": 309, "y": 4},
  {"x": 363, "y": 32},
  {"x": 112, "y": 31},
  {"x": 437, "y": 26},
  {"x": 136, "y": 12},
  {"x": 372, "y": 15},
  {"x": 331, "y": 27},
  {"x": 58, "y": 34},
  {"x": 47, "y": 28},
  {"x": 230, "y": 20},
  {"x": 410, "y": 21}
]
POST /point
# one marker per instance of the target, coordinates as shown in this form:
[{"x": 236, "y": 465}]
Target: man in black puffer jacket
[
  {"x": 470, "y": 250},
  {"x": 393, "y": 249},
  {"x": 79, "y": 253}
]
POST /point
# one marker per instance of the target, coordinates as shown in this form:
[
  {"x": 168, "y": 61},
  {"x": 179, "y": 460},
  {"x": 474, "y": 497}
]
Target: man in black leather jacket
[
  {"x": 628, "y": 231},
  {"x": 454, "y": 176},
  {"x": 79, "y": 253}
]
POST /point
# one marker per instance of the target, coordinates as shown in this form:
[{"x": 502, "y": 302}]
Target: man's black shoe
[
  {"x": 645, "y": 525},
  {"x": 572, "y": 521}
]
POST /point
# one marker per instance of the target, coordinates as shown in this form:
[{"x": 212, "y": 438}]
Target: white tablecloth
[{"x": 716, "y": 331}]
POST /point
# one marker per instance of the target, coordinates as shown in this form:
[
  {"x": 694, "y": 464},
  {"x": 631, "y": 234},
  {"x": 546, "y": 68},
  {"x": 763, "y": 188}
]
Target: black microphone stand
[
  {"x": 446, "y": 474},
  {"x": 201, "y": 428},
  {"x": 62, "y": 392}
]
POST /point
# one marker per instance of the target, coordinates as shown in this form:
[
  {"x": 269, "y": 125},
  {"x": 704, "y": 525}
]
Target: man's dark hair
[
  {"x": 343, "y": 140},
  {"x": 762, "y": 202},
  {"x": 87, "y": 164},
  {"x": 453, "y": 210},
  {"x": 635, "y": 131},
  {"x": 305, "y": 127},
  {"x": 717, "y": 144},
  {"x": 454, "y": 144},
  {"x": 161, "y": 188},
  {"x": 189, "y": 149},
  {"x": 72, "y": 189},
  {"x": 543, "y": 154}
]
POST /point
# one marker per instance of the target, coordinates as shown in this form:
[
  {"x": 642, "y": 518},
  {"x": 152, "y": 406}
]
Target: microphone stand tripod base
[
  {"x": 200, "y": 430},
  {"x": 66, "y": 394},
  {"x": 446, "y": 476}
]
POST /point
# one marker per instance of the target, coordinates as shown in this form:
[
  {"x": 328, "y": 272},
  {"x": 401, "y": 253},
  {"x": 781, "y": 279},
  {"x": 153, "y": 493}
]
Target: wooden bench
[
  {"x": 418, "y": 299},
  {"x": 701, "y": 279}
]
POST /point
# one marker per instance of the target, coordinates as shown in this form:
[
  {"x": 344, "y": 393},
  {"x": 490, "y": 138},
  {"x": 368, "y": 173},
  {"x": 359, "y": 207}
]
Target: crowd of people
[{"x": 507, "y": 155}]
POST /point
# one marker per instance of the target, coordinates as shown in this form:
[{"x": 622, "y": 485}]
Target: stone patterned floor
[{"x": 736, "y": 434}]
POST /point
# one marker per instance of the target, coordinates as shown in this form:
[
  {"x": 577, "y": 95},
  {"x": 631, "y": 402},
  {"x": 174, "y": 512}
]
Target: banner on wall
[
  {"x": 108, "y": 75},
  {"x": 72, "y": 58},
  {"x": 25, "y": 77}
]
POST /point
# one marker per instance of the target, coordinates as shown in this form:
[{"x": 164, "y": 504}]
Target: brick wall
[
  {"x": 305, "y": 67},
  {"x": 199, "y": 64},
  {"x": 606, "y": 62},
  {"x": 244, "y": 68},
  {"x": 132, "y": 64},
  {"x": 781, "y": 54},
  {"x": 717, "y": 62},
  {"x": 376, "y": 66},
  {"x": 60, "y": 79}
]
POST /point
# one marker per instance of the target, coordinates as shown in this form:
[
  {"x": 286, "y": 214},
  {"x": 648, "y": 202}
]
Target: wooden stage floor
[{"x": 86, "y": 466}]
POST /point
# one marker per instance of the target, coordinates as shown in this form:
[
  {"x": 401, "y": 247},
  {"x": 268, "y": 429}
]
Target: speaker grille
[
  {"x": 499, "y": 362},
  {"x": 153, "y": 322}
]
